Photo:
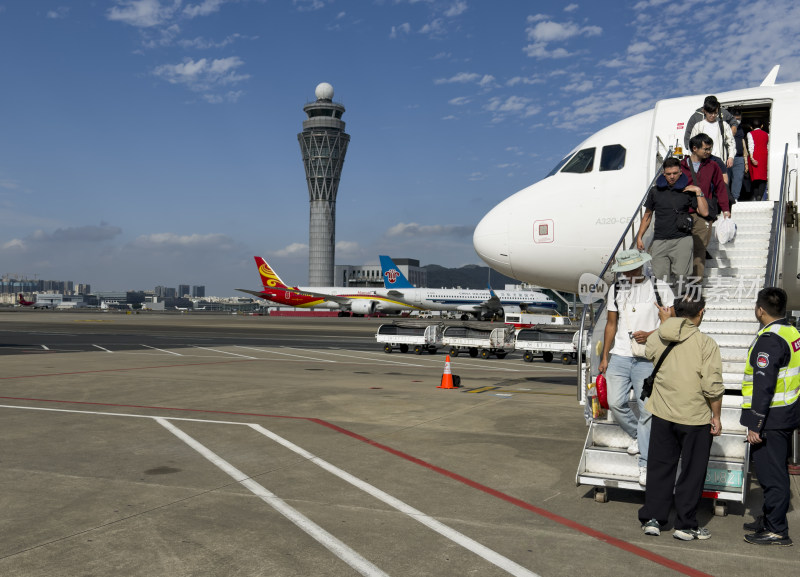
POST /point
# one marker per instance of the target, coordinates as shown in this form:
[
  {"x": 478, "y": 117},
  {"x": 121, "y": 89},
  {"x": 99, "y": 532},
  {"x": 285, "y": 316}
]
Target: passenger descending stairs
[{"x": 732, "y": 280}]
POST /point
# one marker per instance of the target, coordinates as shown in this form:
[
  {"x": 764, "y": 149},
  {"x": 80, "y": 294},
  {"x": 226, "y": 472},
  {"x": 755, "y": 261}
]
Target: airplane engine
[{"x": 363, "y": 307}]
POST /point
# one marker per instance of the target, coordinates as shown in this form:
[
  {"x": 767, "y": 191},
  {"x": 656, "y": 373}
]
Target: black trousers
[
  {"x": 670, "y": 442},
  {"x": 769, "y": 460}
]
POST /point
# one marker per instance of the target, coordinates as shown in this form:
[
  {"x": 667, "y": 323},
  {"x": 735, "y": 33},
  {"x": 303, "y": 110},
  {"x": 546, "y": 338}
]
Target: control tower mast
[{"x": 323, "y": 144}]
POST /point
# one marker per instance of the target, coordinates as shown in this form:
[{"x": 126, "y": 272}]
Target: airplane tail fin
[
  {"x": 269, "y": 278},
  {"x": 392, "y": 277}
]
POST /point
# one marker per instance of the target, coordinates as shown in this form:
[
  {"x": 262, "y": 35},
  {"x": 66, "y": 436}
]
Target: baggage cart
[
  {"x": 479, "y": 339},
  {"x": 549, "y": 342},
  {"x": 405, "y": 336}
]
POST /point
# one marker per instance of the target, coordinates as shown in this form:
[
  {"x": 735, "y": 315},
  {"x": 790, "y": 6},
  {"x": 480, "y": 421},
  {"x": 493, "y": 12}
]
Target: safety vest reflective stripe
[
  {"x": 787, "y": 387},
  {"x": 782, "y": 374}
]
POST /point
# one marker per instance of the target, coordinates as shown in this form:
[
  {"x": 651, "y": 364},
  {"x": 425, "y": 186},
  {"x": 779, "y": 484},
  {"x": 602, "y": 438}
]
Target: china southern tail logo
[{"x": 391, "y": 275}]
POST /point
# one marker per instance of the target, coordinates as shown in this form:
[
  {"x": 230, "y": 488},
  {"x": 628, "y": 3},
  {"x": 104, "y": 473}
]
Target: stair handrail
[
  {"x": 588, "y": 308},
  {"x": 775, "y": 254}
]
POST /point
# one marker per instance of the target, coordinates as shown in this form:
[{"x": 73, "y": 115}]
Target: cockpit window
[
  {"x": 559, "y": 165},
  {"x": 612, "y": 157},
  {"x": 581, "y": 162}
]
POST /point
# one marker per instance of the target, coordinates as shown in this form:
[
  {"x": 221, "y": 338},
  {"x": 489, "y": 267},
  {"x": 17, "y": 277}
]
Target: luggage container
[
  {"x": 549, "y": 342},
  {"x": 479, "y": 339},
  {"x": 405, "y": 336}
]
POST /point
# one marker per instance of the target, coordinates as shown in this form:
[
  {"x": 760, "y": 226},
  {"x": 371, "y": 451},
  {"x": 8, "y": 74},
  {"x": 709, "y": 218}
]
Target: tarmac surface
[{"x": 218, "y": 445}]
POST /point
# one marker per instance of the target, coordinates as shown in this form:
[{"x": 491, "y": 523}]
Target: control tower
[{"x": 323, "y": 144}]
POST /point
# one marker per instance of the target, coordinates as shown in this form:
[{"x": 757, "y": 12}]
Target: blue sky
[{"x": 153, "y": 142}]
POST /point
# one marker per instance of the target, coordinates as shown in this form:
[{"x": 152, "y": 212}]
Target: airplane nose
[{"x": 490, "y": 239}]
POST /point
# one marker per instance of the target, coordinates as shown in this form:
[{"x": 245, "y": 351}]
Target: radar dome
[{"x": 324, "y": 91}]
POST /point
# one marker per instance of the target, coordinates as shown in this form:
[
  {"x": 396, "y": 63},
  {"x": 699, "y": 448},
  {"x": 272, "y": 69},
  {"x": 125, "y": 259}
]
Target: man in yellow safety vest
[{"x": 771, "y": 412}]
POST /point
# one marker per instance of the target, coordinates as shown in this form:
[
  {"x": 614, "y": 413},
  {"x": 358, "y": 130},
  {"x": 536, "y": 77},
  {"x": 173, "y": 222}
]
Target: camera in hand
[
  {"x": 647, "y": 387},
  {"x": 684, "y": 222}
]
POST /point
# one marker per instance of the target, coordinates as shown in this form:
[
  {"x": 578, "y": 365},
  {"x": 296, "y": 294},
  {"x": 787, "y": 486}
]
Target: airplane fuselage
[{"x": 567, "y": 224}]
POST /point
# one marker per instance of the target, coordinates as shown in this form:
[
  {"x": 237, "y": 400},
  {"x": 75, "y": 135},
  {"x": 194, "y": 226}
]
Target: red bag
[{"x": 602, "y": 391}]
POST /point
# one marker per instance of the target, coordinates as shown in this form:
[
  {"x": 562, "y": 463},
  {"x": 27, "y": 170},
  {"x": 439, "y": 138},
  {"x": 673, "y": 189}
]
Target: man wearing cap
[
  {"x": 634, "y": 302},
  {"x": 771, "y": 412}
]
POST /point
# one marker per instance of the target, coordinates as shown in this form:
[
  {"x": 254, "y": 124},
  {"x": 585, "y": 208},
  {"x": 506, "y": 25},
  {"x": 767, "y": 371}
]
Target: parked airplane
[
  {"x": 480, "y": 303},
  {"x": 34, "y": 304},
  {"x": 345, "y": 300},
  {"x": 569, "y": 222}
]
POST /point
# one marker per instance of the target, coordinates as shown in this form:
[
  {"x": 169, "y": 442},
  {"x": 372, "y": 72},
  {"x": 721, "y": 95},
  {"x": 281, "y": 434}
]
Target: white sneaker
[
  {"x": 633, "y": 448},
  {"x": 643, "y": 476}
]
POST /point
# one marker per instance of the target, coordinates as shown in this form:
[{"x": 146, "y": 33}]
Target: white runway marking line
[
  {"x": 287, "y": 354},
  {"x": 490, "y": 555},
  {"x": 448, "y": 532},
  {"x": 360, "y": 358},
  {"x": 327, "y": 540},
  {"x": 225, "y": 352},
  {"x": 163, "y": 351},
  {"x": 102, "y": 349}
]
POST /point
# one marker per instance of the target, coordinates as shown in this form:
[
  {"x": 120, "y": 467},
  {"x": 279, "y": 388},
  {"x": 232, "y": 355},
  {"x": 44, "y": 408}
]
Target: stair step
[
  {"x": 713, "y": 328},
  {"x": 733, "y": 341},
  {"x": 734, "y": 354}
]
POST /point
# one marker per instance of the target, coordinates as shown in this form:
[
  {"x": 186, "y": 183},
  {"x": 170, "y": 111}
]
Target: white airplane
[
  {"x": 345, "y": 300},
  {"x": 569, "y": 222},
  {"x": 480, "y": 303}
]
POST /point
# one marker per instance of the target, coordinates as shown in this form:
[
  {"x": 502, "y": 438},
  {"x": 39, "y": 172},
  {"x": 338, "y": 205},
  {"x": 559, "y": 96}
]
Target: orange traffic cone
[{"x": 447, "y": 376}]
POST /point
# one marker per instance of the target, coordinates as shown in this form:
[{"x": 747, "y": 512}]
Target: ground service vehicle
[
  {"x": 549, "y": 341},
  {"x": 406, "y": 336},
  {"x": 484, "y": 339}
]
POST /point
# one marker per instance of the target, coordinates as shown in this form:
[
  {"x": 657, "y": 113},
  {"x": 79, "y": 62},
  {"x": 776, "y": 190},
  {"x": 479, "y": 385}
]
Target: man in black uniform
[{"x": 771, "y": 412}]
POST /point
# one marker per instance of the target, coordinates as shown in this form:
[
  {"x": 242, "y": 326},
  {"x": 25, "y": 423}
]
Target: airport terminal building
[{"x": 369, "y": 275}]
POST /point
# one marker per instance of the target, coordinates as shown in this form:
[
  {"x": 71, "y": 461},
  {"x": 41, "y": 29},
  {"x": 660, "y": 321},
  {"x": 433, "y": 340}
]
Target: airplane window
[
  {"x": 581, "y": 162},
  {"x": 612, "y": 157},
  {"x": 559, "y": 165}
]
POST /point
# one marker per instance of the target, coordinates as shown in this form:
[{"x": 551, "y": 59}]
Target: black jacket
[{"x": 760, "y": 416}]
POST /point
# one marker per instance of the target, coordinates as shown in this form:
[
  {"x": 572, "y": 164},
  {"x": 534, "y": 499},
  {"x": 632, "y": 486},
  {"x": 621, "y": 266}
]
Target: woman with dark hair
[{"x": 758, "y": 146}]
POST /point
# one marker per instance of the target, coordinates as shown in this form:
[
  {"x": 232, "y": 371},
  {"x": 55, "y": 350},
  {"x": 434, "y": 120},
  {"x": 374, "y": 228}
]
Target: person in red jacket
[
  {"x": 706, "y": 174},
  {"x": 758, "y": 147}
]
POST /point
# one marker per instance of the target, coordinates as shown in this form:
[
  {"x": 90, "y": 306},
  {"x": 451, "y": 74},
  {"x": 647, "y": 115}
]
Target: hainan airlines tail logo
[
  {"x": 391, "y": 275},
  {"x": 269, "y": 277}
]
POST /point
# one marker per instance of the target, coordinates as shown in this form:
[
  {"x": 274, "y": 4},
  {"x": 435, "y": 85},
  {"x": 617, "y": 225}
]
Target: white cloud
[
  {"x": 205, "y": 8},
  {"x": 347, "y": 248},
  {"x": 14, "y": 244},
  {"x": 433, "y": 28},
  {"x": 459, "y": 101},
  {"x": 142, "y": 13},
  {"x": 169, "y": 240},
  {"x": 294, "y": 249},
  {"x": 549, "y": 31},
  {"x": 404, "y": 28},
  {"x": 201, "y": 43},
  {"x": 579, "y": 86},
  {"x": 513, "y": 104},
  {"x": 413, "y": 229},
  {"x": 203, "y": 75},
  {"x": 570, "y": 8},
  {"x": 58, "y": 13},
  {"x": 308, "y": 5},
  {"x": 467, "y": 78},
  {"x": 456, "y": 9},
  {"x": 539, "y": 50}
]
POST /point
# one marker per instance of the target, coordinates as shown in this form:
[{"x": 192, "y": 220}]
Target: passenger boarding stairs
[{"x": 733, "y": 277}]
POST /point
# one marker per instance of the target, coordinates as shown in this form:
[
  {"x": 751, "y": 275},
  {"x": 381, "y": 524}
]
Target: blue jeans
[
  {"x": 736, "y": 176},
  {"x": 622, "y": 375}
]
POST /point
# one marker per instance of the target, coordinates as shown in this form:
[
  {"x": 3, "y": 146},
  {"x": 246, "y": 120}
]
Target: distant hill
[{"x": 471, "y": 276}]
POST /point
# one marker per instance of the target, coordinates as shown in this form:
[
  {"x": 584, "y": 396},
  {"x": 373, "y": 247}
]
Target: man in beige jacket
[{"x": 686, "y": 402}]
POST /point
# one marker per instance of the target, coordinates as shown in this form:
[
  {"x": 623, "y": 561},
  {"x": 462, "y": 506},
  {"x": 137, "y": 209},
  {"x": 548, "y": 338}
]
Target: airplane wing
[
  {"x": 328, "y": 297},
  {"x": 395, "y": 294}
]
